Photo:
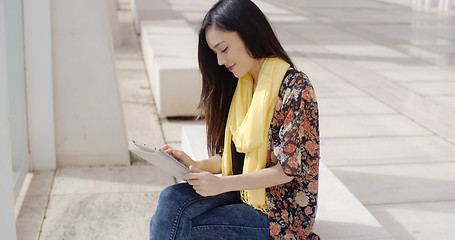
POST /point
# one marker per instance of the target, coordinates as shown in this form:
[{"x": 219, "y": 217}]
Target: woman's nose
[{"x": 221, "y": 59}]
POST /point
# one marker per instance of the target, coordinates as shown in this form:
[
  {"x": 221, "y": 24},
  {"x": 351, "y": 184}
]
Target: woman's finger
[{"x": 191, "y": 176}]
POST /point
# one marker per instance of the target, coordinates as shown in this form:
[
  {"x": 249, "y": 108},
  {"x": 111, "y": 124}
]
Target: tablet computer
[{"x": 160, "y": 159}]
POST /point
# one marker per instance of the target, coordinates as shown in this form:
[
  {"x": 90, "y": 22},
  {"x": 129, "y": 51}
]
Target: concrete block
[
  {"x": 194, "y": 139},
  {"x": 146, "y": 10},
  {"x": 170, "y": 53},
  {"x": 340, "y": 214}
]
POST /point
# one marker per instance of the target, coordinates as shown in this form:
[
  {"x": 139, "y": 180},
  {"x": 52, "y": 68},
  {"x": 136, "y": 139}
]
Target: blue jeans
[{"x": 183, "y": 214}]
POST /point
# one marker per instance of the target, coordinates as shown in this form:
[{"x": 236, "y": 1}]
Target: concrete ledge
[
  {"x": 170, "y": 53},
  {"x": 340, "y": 215}
]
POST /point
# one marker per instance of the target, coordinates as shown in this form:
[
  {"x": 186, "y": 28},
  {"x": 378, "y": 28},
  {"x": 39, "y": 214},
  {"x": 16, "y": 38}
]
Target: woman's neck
[{"x": 255, "y": 72}]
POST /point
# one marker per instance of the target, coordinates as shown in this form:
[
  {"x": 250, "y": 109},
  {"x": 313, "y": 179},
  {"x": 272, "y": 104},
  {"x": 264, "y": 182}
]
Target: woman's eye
[{"x": 224, "y": 50}]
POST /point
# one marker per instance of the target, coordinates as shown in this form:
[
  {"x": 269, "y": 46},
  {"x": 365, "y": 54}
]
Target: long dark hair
[{"x": 218, "y": 84}]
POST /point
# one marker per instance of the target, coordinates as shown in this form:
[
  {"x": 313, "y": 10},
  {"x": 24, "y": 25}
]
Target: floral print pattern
[{"x": 294, "y": 143}]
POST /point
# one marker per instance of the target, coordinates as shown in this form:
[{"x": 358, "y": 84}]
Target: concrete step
[{"x": 340, "y": 215}]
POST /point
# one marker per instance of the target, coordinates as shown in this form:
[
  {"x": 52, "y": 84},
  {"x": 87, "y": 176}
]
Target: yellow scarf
[{"x": 248, "y": 123}]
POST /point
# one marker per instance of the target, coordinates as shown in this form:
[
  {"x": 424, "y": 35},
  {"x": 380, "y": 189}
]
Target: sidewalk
[{"x": 384, "y": 75}]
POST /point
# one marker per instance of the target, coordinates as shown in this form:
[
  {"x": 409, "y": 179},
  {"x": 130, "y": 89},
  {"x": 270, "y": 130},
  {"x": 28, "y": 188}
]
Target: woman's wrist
[
  {"x": 212, "y": 165},
  {"x": 225, "y": 183},
  {"x": 198, "y": 164}
]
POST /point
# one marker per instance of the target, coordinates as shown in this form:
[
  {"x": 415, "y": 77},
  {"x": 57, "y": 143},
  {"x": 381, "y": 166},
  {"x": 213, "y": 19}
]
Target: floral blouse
[{"x": 294, "y": 143}]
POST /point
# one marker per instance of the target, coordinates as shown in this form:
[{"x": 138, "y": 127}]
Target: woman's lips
[{"x": 230, "y": 67}]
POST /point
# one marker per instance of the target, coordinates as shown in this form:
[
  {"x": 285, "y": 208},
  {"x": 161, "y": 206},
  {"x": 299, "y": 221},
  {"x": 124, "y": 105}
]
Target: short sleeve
[{"x": 297, "y": 146}]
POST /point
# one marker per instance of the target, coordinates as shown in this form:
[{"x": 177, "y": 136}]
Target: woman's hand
[
  {"x": 180, "y": 156},
  {"x": 204, "y": 183}
]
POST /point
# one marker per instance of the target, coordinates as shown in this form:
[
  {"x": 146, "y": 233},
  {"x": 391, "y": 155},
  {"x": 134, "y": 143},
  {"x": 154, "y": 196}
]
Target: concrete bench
[
  {"x": 442, "y": 4},
  {"x": 170, "y": 54},
  {"x": 340, "y": 215},
  {"x": 146, "y": 10}
]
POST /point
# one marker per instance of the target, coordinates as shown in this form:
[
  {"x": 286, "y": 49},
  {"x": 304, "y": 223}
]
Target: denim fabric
[{"x": 183, "y": 214}]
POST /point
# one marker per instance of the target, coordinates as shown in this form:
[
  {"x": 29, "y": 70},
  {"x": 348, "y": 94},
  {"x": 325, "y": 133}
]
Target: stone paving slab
[
  {"x": 385, "y": 150},
  {"x": 437, "y": 88},
  {"x": 352, "y": 106},
  {"x": 418, "y": 221},
  {"x": 446, "y": 101},
  {"x": 103, "y": 202},
  {"x": 172, "y": 128},
  {"x": 400, "y": 183},
  {"x": 408, "y": 103},
  {"x": 128, "y": 63},
  {"x": 100, "y": 216},
  {"x": 143, "y": 122},
  {"x": 134, "y": 82},
  {"x": 386, "y": 125},
  {"x": 417, "y": 74},
  {"x": 31, "y": 204},
  {"x": 109, "y": 180},
  {"x": 30, "y": 220},
  {"x": 341, "y": 89},
  {"x": 319, "y": 75}
]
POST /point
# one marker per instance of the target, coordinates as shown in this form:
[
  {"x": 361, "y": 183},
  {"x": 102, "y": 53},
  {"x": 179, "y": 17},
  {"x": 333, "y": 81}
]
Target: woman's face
[{"x": 231, "y": 52}]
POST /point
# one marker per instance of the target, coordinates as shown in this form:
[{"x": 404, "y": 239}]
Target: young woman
[{"x": 263, "y": 133}]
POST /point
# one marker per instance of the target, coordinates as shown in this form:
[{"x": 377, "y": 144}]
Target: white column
[
  {"x": 7, "y": 221},
  {"x": 40, "y": 97},
  {"x": 89, "y": 125},
  {"x": 113, "y": 18},
  {"x": 444, "y": 4}
]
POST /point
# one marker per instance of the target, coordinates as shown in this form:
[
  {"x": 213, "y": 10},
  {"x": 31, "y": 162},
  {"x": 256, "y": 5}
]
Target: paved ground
[{"x": 384, "y": 73}]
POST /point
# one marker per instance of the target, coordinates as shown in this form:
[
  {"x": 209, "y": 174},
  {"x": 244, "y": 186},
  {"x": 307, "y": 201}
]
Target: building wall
[
  {"x": 38, "y": 59},
  {"x": 7, "y": 222}
]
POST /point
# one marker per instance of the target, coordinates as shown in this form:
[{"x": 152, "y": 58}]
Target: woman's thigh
[
  {"x": 235, "y": 221},
  {"x": 178, "y": 205},
  {"x": 182, "y": 197}
]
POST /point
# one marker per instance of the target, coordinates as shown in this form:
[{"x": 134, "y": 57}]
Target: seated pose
[{"x": 262, "y": 132}]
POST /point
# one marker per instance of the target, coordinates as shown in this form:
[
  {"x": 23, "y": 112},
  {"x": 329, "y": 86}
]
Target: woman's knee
[
  {"x": 171, "y": 199},
  {"x": 177, "y": 193},
  {"x": 168, "y": 192}
]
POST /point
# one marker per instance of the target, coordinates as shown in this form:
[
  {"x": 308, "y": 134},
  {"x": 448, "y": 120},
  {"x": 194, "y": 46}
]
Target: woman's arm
[
  {"x": 212, "y": 165},
  {"x": 207, "y": 184}
]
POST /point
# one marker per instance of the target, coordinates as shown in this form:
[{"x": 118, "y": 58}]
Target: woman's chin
[
  {"x": 239, "y": 75},
  {"x": 236, "y": 75}
]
